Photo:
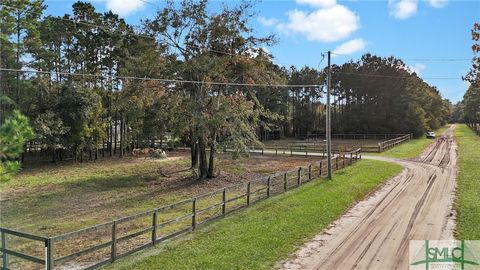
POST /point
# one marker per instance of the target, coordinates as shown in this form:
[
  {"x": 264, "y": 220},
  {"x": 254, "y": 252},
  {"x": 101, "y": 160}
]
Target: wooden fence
[
  {"x": 382, "y": 136},
  {"x": 393, "y": 142},
  {"x": 475, "y": 127},
  {"x": 296, "y": 149},
  {"x": 104, "y": 243}
]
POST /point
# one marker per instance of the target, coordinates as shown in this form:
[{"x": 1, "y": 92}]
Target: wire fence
[{"x": 98, "y": 245}]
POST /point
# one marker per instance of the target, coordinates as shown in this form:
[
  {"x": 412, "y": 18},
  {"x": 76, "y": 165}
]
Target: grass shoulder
[
  {"x": 468, "y": 185},
  {"x": 260, "y": 236},
  {"x": 410, "y": 149}
]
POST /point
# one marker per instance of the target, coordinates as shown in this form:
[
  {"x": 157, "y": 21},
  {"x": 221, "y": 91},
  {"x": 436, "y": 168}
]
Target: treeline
[
  {"x": 91, "y": 84},
  {"x": 470, "y": 107},
  {"x": 468, "y": 110},
  {"x": 380, "y": 95}
]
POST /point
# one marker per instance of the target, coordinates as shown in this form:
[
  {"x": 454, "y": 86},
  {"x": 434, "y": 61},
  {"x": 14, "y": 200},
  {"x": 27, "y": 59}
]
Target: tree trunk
[
  {"x": 103, "y": 148},
  {"x": 53, "y": 155},
  {"x": 211, "y": 163},
  {"x": 203, "y": 166},
  {"x": 115, "y": 138},
  {"x": 121, "y": 137},
  {"x": 193, "y": 151},
  {"x": 110, "y": 139}
]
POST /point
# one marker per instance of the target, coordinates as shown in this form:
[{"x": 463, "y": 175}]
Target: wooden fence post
[
  {"x": 262, "y": 150},
  {"x": 310, "y": 172},
  {"x": 154, "y": 225},
  {"x": 276, "y": 150},
  {"x": 224, "y": 200},
  {"x": 4, "y": 254},
  {"x": 268, "y": 187},
  {"x": 298, "y": 176},
  {"x": 351, "y": 158},
  {"x": 343, "y": 160},
  {"x": 291, "y": 151},
  {"x": 306, "y": 151},
  {"x": 248, "y": 194},
  {"x": 194, "y": 213},
  {"x": 113, "y": 254},
  {"x": 336, "y": 163},
  {"x": 49, "y": 254},
  {"x": 285, "y": 181}
]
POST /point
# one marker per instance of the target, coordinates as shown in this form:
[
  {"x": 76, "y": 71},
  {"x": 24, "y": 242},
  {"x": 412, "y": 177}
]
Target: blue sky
[{"x": 420, "y": 32}]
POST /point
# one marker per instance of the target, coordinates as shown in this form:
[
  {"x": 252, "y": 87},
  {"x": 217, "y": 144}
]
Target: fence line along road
[
  {"x": 378, "y": 136},
  {"x": 319, "y": 150},
  {"x": 475, "y": 127},
  {"x": 159, "y": 224}
]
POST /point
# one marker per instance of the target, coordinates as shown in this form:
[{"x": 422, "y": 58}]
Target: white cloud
[
  {"x": 403, "y": 9},
  {"x": 124, "y": 7},
  {"x": 437, "y": 3},
  {"x": 351, "y": 46},
  {"x": 325, "y": 24},
  {"x": 267, "y": 22},
  {"x": 317, "y": 3},
  {"x": 418, "y": 68}
]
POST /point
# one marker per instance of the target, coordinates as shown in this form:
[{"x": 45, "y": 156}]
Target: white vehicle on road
[{"x": 431, "y": 135}]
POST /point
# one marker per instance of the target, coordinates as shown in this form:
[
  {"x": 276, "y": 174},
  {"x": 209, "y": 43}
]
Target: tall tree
[
  {"x": 19, "y": 21},
  {"x": 471, "y": 99},
  {"x": 198, "y": 37}
]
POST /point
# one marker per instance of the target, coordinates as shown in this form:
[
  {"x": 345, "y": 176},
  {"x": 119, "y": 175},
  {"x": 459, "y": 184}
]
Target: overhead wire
[
  {"x": 422, "y": 59},
  {"x": 397, "y": 77},
  {"x": 158, "y": 79},
  {"x": 142, "y": 35},
  {"x": 213, "y": 51}
]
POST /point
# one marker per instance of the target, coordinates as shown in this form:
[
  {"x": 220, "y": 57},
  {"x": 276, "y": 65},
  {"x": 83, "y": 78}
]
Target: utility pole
[{"x": 328, "y": 130}]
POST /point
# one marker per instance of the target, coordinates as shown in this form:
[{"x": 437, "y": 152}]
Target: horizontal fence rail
[
  {"x": 385, "y": 145},
  {"x": 320, "y": 149},
  {"x": 315, "y": 145},
  {"x": 475, "y": 127},
  {"x": 380, "y": 136},
  {"x": 121, "y": 237}
]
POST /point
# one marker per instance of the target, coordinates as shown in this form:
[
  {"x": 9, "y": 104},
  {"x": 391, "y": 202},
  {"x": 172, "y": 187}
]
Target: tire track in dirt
[{"x": 375, "y": 233}]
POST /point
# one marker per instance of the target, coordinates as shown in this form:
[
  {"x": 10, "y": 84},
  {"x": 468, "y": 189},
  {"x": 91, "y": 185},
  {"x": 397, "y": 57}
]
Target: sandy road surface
[{"x": 375, "y": 233}]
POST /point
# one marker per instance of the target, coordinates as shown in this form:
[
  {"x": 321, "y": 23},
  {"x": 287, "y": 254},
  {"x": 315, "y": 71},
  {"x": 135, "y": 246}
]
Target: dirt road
[{"x": 375, "y": 233}]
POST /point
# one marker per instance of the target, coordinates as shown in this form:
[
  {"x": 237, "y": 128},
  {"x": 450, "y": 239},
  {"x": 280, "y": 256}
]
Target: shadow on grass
[{"x": 94, "y": 199}]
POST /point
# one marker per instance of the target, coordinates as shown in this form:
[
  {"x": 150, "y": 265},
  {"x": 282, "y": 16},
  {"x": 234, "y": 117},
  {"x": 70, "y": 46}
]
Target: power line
[
  {"x": 228, "y": 53},
  {"x": 75, "y": 22},
  {"x": 396, "y": 77},
  {"x": 423, "y": 59},
  {"x": 437, "y": 59},
  {"x": 139, "y": 35},
  {"x": 158, "y": 79}
]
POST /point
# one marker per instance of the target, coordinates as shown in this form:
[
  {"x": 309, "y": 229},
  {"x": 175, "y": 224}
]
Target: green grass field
[
  {"x": 410, "y": 149},
  {"x": 259, "y": 237},
  {"x": 58, "y": 198},
  {"x": 468, "y": 184}
]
